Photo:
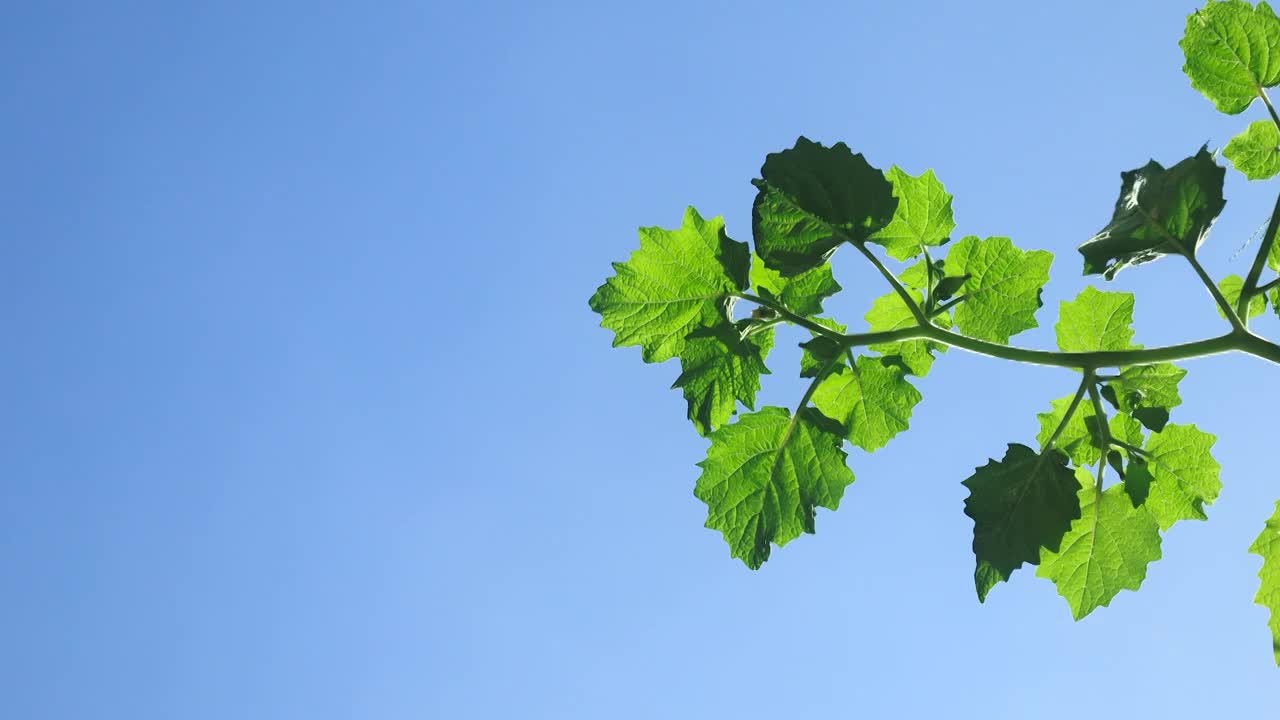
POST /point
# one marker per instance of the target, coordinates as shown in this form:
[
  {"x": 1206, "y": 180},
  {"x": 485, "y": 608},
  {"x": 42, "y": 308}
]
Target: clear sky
[{"x": 305, "y": 414}]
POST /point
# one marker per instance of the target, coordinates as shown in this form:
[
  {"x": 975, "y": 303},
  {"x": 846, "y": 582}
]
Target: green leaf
[
  {"x": 1147, "y": 392},
  {"x": 985, "y": 577},
  {"x": 890, "y": 312},
  {"x": 679, "y": 280},
  {"x": 1267, "y": 546},
  {"x": 1256, "y": 151},
  {"x": 765, "y": 475},
  {"x": 1232, "y": 50},
  {"x": 1159, "y": 212},
  {"x": 1231, "y": 286},
  {"x": 1273, "y": 262},
  {"x": 1275, "y": 297},
  {"x": 872, "y": 400},
  {"x": 811, "y": 199},
  {"x": 923, "y": 216},
  {"x": 1075, "y": 439},
  {"x": 1002, "y": 292},
  {"x": 1137, "y": 481},
  {"x": 820, "y": 349},
  {"x": 1080, "y": 438},
  {"x": 720, "y": 368},
  {"x": 1020, "y": 504},
  {"x": 1184, "y": 475},
  {"x": 802, "y": 294},
  {"x": 1096, "y": 321},
  {"x": 1107, "y": 550}
]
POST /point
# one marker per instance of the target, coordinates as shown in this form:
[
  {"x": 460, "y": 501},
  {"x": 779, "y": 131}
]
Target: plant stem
[
  {"x": 1255, "y": 272},
  {"x": 1263, "y": 288},
  {"x": 1227, "y": 310},
  {"x": 1270, "y": 108},
  {"x": 1134, "y": 449},
  {"x": 949, "y": 304},
  {"x": 912, "y": 305},
  {"x": 790, "y": 316},
  {"x": 1071, "y": 410},
  {"x": 1104, "y": 429},
  {"x": 1245, "y": 342}
]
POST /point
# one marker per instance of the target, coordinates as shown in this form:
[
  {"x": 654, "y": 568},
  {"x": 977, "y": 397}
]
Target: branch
[
  {"x": 1071, "y": 409},
  {"x": 1255, "y": 272},
  {"x": 1232, "y": 316},
  {"x": 1100, "y": 413},
  {"x": 912, "y": 305},
  {"x": 1245, "y": 342}
]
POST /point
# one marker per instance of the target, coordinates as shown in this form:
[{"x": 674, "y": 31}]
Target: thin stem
[
  {"x": 756, "y": 329},
  {"x": 1134, "y": 449},
  {"x": 790, "y": 316},
  {"x": 1262, "y": 93},
  {"x": 1263, "y": 288},
  {"x": 1227, "y": 310},
  {"x": 1259, "y": 260},
  {"x": 1105, "y": 430},
  {"x": 1071, "y": 410},
  {"x": 949, "y": 304},
  {"x": 912, "y": 305},
  {"x": 928, "y": 283}
]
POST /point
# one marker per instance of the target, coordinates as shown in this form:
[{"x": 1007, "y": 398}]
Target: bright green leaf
[
  {"x": 923, "y": 216},
  {"x": 1184, "y": 476},
  {"x": 1231, "y": 286},
  {"x": 890, "y": 312},
  {"x": 676, "y": 282},
  {"x": 1147, "y": 392},
  {"x": 1267, "y": 546},
  {"x": 1232, "y": 50},
  {"x": 1159, "y": 212},
  {"x": 811, "y": 199},
  {"x": 1256, "y": 151},
  {"x": 1019, "y": 504},
  {"x": 801, "y": 294},
  {"x": 818, "y": 351},
  {"x": 765, "y": 475},
  {"x": 872, "y": 400},
  {"x": 1096, "y": 321},
  {"x": 718, "y": 369},
  {"x": 1002, "y": 292},
  {"x": 1105, "y": 551}
]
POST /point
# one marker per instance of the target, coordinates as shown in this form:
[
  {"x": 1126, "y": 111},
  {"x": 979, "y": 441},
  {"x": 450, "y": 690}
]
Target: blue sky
[{"x": 305, "y": 414}]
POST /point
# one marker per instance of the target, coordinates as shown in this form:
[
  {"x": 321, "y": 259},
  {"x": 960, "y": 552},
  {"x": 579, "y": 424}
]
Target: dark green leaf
[
  {"x": 811, "y": 199},
  {"x": 1159, "y": 212},
  {"x": 1020, "y": 504}
]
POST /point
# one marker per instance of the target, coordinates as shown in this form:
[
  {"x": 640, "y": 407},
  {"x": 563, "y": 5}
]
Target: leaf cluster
[{"x": 1109, "y": 471}]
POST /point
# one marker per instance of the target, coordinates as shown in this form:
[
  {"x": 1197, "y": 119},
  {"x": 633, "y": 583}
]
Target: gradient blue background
[{"x": 304, "y": 414}]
